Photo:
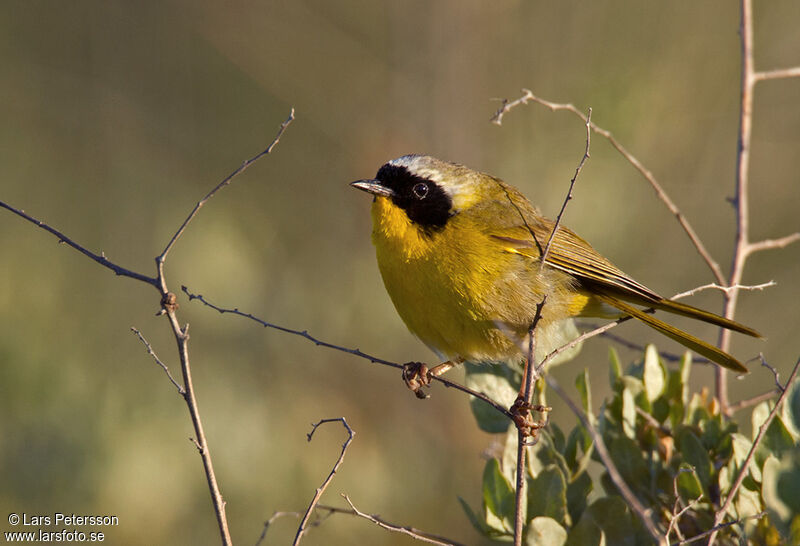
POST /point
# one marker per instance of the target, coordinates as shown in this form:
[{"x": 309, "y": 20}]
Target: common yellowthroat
[{"x": 460, "y": 253}]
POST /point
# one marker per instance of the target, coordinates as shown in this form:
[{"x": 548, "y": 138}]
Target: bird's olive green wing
[{"x": 571, "y": 254}]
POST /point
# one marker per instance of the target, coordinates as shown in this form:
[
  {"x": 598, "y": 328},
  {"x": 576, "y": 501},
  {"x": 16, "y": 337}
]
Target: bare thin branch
[
  {"x": 592, "y": 333},
  {"x": 745, "y": 466},
  {"x": 321, "y": 489},
  {"x": 227, "y": 180},
  {"x": 772, "y": 369},
  {"x": 769, "y": 244},
  {"x": 750, "y": 402},
  {"x": 99, "y": 258},
  {"x": 571, "y": 186},
  {"x": 741, "y": 199},
  {"x": 676, "y": 513},
  {"x": 271, "y": 520},
  {"x": 714, "y": 530},
  {"x": 777, "y": 74},
  {"x": 152, "y": 353},
  {"x": 314, "y": 523},
  {"x": 611, "y": 468},
  {"x": 726, "y": 289},
  {"x": 528, "y": 96},
  {"x": 410, "y": 531},
  {"x": 356, "y": 352},
  {"x": 182, "y": 339}
]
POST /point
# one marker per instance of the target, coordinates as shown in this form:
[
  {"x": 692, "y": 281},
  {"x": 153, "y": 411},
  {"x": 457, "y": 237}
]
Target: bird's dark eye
[{"x": 420, "y": 190}]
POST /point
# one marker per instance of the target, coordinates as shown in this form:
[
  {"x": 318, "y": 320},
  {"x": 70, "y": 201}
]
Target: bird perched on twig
[{"x": 460, "y": 253}]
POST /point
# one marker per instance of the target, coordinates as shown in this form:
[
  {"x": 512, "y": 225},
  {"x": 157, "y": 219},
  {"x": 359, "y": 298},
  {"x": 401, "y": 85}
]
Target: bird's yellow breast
[{"x": 458, "y": 289}]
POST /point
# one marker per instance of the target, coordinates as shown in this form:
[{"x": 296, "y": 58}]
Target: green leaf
[
  {"x": 781, "y": 489},
  {"x": 586, "y": 533},
  {"x": 758, "y": 417},
  {"x": 547, "y": 494},
  {"x": 557, "y": 437},
  {"x": 473, "y": 518},
  {"x": 582, "y": 384},
  {"x": 577, "y": 495},
  {"x": 633, "y": 384},
  {"x": 571, "y": 447},
  {"x": 791, "y": 409},
  {"x": 588, "y": 449},
  {"x": 545, "y": 453},
  {"x": 543, "y": 531},
  {"x": 508, "y": 460},
  {"x": 686, "y": 371},
  {"x": 630, "y": 461},
  {"x": 689, "y": 486},
  {"x": 674, "y": 389},
  {"x": 712, "y": 434},
  {"x": 660, "y": 409},
  {"x": 497, "y": 381},
  {"x": 777, "y": 439},
  {"x": 628, "y": 414},
  {"x": 695, "y": 454},
  {"x": 653, "y": 375},
  {"x": 747, "y": 503},
  {"x": 741, "y": 445},
  {"x": 498, "y": 498},
  {"x": 612, "y": 517},
  {"x": 615, "y": 368},
  {"x": 696, "y": 411}
]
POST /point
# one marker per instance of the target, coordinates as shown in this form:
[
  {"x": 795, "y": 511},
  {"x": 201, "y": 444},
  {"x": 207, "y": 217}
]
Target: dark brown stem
[{"x": 530, "y": 375}]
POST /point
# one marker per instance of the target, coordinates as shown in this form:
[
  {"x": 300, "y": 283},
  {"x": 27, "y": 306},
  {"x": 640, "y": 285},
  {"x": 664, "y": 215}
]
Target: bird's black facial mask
[{"x": 424, "y": 202}]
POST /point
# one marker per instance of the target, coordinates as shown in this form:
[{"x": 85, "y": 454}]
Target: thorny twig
[
  {"x": 726, "y": 289},
  {"x": 410, "y": 531},
  {"x": 357, "y": 352}
]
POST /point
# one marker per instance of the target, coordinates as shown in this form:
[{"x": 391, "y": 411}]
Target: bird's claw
[
  {"x": 521, "y": 414},
  {"x": 416, "y": 375}
]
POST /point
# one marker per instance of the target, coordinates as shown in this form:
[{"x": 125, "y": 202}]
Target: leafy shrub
[{"x": 673, "y": 448}]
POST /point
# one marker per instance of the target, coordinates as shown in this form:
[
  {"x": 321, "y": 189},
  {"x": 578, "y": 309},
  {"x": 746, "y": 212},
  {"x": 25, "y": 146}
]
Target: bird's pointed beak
[{"x": 375, "y": 187}]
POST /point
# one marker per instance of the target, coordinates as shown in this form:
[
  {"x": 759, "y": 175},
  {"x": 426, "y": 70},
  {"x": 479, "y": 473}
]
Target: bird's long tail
[{"x": 697, "y": 345}]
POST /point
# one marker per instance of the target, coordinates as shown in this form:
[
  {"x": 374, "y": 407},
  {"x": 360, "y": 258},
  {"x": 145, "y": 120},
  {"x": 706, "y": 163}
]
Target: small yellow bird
[{"x": 460, "y": 253}]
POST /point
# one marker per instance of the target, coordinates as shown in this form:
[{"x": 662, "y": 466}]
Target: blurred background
[{"x": 118, "y": 117}]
